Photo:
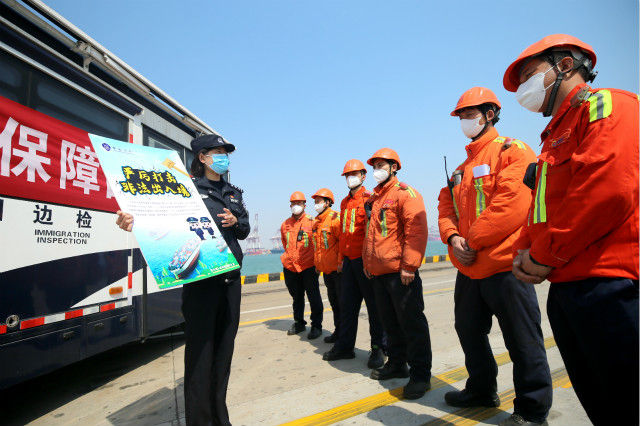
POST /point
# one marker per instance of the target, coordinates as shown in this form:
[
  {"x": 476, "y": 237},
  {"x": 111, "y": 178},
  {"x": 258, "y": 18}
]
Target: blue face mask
[{"x": 220, "y": 163}]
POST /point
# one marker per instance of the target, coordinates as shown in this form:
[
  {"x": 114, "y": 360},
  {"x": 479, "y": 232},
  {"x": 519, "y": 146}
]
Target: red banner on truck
[{"x": 46, "y": 159}]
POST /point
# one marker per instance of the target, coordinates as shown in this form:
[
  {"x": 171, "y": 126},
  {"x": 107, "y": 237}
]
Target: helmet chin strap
[{"x": 554, "y": 93}]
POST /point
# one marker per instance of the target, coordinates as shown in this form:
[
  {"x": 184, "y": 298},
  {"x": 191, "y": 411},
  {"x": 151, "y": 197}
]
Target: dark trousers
[
  {"x": 401, "y": 310},
  {"x": 211, "y": 309},
  {"x": 332, "y": 282},
  {"x": 515, "y": 305},
  {"x": 355, "y": 286},
  {"x": 299, "y": 283},
  {"x": 595, "y": 324}
]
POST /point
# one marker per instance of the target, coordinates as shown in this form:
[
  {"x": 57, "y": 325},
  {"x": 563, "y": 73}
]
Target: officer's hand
[
  {"x": 366, "y": 273},
  {"x": 228, "y": 219},
  {"x": 462, "y": 251},
  {"x": 339, "y": 270},
  {"x": 124, "y": 221},
  {"x": 406, "y": 277},
  {"x": 527, "y": 271}
]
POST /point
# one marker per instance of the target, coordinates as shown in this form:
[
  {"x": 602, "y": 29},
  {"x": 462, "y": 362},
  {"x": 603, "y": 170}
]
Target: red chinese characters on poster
[{"x": 45, "y": 159}]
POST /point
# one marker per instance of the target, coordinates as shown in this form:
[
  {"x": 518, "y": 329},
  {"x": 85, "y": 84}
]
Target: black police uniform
[{"x": 211, "y": 310}]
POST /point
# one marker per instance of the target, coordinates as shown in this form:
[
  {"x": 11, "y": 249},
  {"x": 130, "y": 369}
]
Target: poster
[{"x": 176, "y": 234}]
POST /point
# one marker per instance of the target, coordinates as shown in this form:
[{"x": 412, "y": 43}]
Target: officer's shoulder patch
[
  {"x": 600, "y": 105},
  {"x": 334, "y": 215},
  {"x": 367, "y": 194},
  {"x": 405, "y": 187}
]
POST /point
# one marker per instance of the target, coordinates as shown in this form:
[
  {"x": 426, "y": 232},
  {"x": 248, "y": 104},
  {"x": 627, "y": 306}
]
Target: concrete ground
[{"x": 278, "y": 379}]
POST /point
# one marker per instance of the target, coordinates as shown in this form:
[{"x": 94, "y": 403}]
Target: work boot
[
  {"x": 415, "y": 389},
  {"x": 466, "y": 398},
  {"x": 332, "y": 338},
  {"x": 376, "y": 358},
  {"x": 314, "y": 333},
  {"x": 296, "y": 328},
  {"x": 336, "y": 354},
  {"x": 518, "y": 420},
  {"x": 391, "y": 370}
]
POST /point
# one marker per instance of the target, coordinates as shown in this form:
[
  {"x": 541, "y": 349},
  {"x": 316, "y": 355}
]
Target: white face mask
[
  {"x": 380, "y": 175},
  {"x": 531, "y": 93},
  {"x": 296, "y": 209},
  {"x": 319, "y": 207},
  {"x": 353, "y": 181},
  {"x": 471, "y": 126}
]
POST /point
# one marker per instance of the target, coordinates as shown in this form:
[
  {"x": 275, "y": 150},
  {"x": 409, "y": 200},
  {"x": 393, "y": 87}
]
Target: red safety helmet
[
  {"x": 297, "y": 196},
  {"x": 324, "y": 192},
  {"x": 511, "y": 79},
  {"x": 353, "y": 166},
  {"x": 474, "y": 97},
  {"x": 385, "y": 154}
]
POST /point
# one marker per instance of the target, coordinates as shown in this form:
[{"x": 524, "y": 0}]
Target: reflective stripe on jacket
[{"x": 353, "y": 221}]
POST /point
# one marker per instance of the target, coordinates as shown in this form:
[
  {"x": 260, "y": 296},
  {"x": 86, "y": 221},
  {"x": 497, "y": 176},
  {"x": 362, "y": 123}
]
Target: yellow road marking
[
  {"x": 258, "y": 321},
  {"x": 364, "y": 405},
  {"x": 474, "y": 415}
]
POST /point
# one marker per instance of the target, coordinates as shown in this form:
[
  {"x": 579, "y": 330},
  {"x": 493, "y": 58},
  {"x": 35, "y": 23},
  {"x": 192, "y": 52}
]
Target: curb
[{"x": 279, "y": 276}]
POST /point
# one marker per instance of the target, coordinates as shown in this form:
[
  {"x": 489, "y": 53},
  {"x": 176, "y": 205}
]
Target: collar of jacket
[
  {"x": 564, "y": 107},
  {"x": 359, "y": 193},
  {"x": 380, "y": 189},
  {"x": 302, "y": 216},
  {"x": 476, "y": 146},
  {"x": 324, "y": 214}
]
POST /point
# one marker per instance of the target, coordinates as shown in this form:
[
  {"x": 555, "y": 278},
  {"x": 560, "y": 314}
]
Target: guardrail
[{"x": 279, "y": 276}]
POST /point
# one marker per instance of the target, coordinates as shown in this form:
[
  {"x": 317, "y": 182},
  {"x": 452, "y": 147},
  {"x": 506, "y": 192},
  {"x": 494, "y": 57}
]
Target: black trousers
[
  {"x": 211, "y": 309},
  {"x": 401, "y": 310},
  {"x": 595, "y": 324},
  {"x": 515, "y": 305},
  {"x": 355, "y": 286},
  {"x": 299, "y": 283},
  {"x": 332, "y": 282}
]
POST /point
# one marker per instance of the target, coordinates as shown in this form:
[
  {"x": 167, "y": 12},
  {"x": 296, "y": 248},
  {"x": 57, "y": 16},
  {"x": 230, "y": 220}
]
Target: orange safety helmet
[
  {"x": 353, "y": 166},
  {"x": 324, "y": 192},
  {"x": 511, "y": 79},
  {"x": 474, "y": 97},
  {"x": 385, "y": 154},
  {"x": 297, "y": 196}
]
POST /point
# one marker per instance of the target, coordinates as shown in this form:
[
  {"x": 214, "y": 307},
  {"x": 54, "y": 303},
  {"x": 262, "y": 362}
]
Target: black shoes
[
  {"x": 296, "y": 328},
  {"x": 314, "y": 333},
  {"x": 331, "y": 339},
  {"x": 376, "y": 358},
  {"x": 466, "y": 398},
  {"x": 415, "y": 389},
  {"x": 518, "y": 420},
  {"x": 334, "y": 354},
  {"x": 391, "y": 371}
]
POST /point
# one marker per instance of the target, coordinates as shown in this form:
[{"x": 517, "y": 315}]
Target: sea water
[{"x": 267, "y": 263}]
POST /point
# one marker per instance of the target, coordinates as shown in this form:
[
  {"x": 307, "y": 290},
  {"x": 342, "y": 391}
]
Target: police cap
[{"x": 209, "y": 142}]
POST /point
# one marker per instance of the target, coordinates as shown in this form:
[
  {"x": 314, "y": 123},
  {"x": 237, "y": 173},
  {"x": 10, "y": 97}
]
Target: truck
[{"x": 72, "y": 284}]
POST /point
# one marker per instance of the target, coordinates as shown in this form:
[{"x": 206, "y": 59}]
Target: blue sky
[{"x": 302, "y": 86}]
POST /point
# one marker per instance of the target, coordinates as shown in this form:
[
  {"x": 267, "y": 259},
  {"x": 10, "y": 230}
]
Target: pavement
[{"x": 280, "y": 379}]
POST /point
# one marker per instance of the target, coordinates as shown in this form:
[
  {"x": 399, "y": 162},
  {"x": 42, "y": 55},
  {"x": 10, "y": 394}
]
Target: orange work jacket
[
  {"x": 489, "y": 204},
  {"x": 353, "y": 222},
  {"x": 397, "y": 232},
  {"x": 326, "y": 231},
  {"x": 583, "y": 219},
  {"x": 297, "y": 242}
]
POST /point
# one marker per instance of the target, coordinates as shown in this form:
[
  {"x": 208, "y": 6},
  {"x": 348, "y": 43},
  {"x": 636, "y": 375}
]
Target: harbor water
[{"x": 267, "y": 263}]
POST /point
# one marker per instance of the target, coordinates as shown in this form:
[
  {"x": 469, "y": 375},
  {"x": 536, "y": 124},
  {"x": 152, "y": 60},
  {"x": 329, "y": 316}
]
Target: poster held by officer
[{"x": 176, "y": 234}]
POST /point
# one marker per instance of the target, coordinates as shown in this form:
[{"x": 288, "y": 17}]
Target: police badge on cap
[{"x": 209, "y": 142}]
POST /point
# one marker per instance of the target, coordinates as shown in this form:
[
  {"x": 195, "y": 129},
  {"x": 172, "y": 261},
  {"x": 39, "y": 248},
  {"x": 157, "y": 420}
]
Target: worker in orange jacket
[
  {"x": 481, "y": 212},
  {"x": 355, "y": 286},
  {"x": 300, "y": 274},
  {"x": 582, "y": 229},
  {"x": 393, "y": 251},
  {"x": 326, "y": 234}
]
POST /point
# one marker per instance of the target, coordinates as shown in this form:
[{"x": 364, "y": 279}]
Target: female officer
[{"x": 211, "y": 307}]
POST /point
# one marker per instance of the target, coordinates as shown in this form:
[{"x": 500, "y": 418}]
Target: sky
[{"x": 300, "y": 87}]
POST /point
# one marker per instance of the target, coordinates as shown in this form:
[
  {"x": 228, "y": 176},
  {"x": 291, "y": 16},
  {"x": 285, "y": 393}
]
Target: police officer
[
  {"x": 211, "y": 307},
  {"x": 195, "y": 227},
  {"x": 582, "y": 232}
]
